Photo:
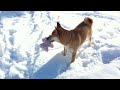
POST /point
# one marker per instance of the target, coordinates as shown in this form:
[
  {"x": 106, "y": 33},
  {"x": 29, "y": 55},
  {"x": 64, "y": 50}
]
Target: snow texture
[{"x": 21, "y": 33}]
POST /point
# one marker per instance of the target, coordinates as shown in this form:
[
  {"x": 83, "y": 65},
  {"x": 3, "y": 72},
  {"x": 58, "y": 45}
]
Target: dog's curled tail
[{"x": 88, "y": 21}]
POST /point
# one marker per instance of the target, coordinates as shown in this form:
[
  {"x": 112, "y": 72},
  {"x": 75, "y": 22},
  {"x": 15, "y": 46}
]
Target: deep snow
[{"x": 21, "y": 32}]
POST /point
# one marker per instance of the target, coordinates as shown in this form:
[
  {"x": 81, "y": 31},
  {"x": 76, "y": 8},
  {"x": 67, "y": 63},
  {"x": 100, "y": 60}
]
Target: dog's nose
[{"x": 47, "y": 38}]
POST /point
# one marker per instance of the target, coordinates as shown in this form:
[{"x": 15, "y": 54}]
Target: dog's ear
[
  {"x": 55, "y": 27},
  {"x": 58, "y": 25}
]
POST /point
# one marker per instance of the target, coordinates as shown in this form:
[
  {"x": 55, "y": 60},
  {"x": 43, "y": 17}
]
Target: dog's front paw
[{"x": 65, "y": 54}]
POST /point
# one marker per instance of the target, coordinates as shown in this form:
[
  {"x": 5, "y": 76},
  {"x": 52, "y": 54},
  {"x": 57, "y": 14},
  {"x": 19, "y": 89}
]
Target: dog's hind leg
[{"x": 73, "y": 56}]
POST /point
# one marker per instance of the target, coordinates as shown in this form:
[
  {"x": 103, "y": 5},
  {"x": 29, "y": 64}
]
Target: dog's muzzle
[{"x": 49, "y": 39}]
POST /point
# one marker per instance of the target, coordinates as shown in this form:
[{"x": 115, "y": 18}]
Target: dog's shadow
[{"x": 53, "y": 67}]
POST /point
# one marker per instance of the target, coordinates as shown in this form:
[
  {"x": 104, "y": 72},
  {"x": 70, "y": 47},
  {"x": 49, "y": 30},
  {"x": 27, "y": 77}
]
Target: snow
[{"x": 21, "y": 33}]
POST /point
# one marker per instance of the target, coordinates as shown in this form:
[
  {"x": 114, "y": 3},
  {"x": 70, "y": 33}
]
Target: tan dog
[{"x": 72, "y": 39}]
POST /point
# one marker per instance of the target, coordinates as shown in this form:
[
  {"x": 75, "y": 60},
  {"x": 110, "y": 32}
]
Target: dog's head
[
  {"x": 55, "y": 34},
  {"x": 88, "y": 21}
]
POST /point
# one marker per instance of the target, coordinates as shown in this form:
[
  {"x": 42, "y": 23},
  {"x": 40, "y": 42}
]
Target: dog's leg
[
  {"x": 73, "y": 56},
  {"x": 90, "y": 38},
  {"x": 89, "y": 42},
  {"x": 65, "y": 52}
]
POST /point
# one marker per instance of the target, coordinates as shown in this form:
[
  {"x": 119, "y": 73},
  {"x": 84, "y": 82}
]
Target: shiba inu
[{"x": 72, "y": 39}]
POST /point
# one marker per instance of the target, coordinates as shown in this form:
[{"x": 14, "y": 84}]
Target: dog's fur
[{"x": 72, "y": 39}]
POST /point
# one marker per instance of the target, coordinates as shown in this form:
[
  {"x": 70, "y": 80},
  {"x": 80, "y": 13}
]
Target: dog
[{"x": 72, "y": 39}]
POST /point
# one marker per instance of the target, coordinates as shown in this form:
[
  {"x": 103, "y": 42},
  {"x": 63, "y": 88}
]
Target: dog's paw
[{"x": 64, "y": 54}]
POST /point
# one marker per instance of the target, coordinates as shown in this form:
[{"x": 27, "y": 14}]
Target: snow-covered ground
[{"x": 21, "y": 33}]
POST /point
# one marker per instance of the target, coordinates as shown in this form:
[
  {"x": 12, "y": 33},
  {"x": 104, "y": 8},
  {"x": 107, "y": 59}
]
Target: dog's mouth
[
  {"x": 49, "y": 39},
  {"x": 52, "y": 41}
]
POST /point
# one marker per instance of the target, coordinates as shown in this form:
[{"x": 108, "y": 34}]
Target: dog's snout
[{"x": 47, "y": 38}]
